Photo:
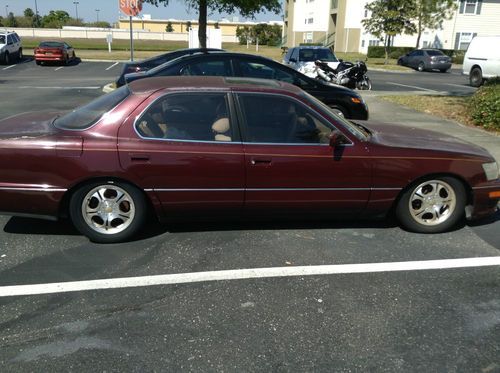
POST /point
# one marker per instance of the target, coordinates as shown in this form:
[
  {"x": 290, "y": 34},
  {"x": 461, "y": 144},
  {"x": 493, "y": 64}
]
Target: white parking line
[
  {"x": 8, "y": 67},
  {"x": 32, "y": 87},
  {"x": 59, "y": 68},
  {"x": 412, "y": 86},
  {"x": 461, "y": 86},
  {"x": 240, "y": 274},
  {"x": 113, "y": 65}
]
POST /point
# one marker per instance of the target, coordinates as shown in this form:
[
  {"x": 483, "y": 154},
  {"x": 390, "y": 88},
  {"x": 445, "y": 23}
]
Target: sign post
[
  {"x": 131, "y": 8},
  {"x": 109, "y": 40}
]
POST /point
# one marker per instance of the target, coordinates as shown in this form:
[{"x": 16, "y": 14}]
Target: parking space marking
[
  {"x": 32, "y": 87},
  {"x": 8, "y": 67},
  {"x": 58, "y": 68},
  {"x": 241, "y": 274},
  {"x": 461, "y": 86},
  {"x": 412, "y": 86},
  {"x": 113, "y": 65}
]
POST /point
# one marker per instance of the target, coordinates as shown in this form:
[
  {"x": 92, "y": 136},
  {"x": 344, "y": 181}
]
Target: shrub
[{"x": 485, "y": 105}]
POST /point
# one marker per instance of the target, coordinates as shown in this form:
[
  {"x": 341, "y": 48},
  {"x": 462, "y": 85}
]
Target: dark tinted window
[
  {"x": 295, "y": 53},
  {"x": 258, "y": 69},
  {"x": 288, "y": 54},
  {"x": 10, "y": 40},
  {"x": 51, "y": 44},
  {"x": 187, "y": 116},
  {"x": 435, "y": 53},
  {"x": 208, "y": 68},
  {"x": 313, "y": 54},
  {"x": 2, "y": 39},
  {"x": 280, "y": 120},
  {"x": 87, "y": 115}
]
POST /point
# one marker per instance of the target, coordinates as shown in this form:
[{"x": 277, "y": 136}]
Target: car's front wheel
[
  {"x": 338, "y": 111},
  {"x": 108, "y": 212},
  {"x": 432, "y": 206}
]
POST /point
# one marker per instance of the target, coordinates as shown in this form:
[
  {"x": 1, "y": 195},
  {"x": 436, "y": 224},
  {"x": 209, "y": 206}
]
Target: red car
[
  {"x": 185, "y": 147},
  {"x": 54, "y": 51}
]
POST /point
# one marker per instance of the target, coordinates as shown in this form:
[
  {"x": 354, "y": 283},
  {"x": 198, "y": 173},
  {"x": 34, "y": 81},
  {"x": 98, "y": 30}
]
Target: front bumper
[{"x": 485, "y": 200}]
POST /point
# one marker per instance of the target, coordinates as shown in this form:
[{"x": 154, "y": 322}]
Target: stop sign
[{"x": 131, "y": 7}]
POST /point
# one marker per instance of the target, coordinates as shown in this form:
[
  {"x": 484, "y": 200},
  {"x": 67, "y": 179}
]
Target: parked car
[
  {"x": 11, "y": 47},
  {"x": 150, "y": 63},
  {"x": 426, "y": 59},
  {"x": 302, "y": 58},
  {"x": 185, "y": 147},
  {"x": 482, "y": 59},
  {"x": 54, "y": 51},
  {"x": 343, "y": 101}
]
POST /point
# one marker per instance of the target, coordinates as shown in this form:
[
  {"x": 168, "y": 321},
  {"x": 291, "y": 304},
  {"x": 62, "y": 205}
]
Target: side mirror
[
  {"x": 335, "y": 139},
  {"x": 292, "y": 60},
  {"x": 341, "y": 60}
]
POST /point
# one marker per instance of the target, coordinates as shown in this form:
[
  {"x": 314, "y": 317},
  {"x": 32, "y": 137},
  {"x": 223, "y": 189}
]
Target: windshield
[
  {"x": 87, "y": 115},
  {"x": 50, "y": 44},
  {"x": 359, "y": 133},
  {"x": 323, "y": 54}
]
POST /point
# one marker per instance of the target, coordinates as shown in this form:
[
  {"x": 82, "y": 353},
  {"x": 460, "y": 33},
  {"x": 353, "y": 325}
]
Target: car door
[
  {"x": 290, "y": 166},
  {"x": 186, "y": 148},
  {"x": 11, "y": 45}
]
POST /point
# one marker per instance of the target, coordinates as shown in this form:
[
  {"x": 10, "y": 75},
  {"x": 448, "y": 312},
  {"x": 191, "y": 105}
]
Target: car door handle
[
  {"x": 260, "y": 161},
  {"x": 138, "y": 157}
]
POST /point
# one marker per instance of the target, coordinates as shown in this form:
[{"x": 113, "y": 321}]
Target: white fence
[{"x": 94, "y": 33}]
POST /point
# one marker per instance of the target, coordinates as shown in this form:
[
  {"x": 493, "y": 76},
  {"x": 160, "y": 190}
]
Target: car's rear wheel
[
  {"x": 6, "y": 58},
  {"x": 20, "y": 54},
  {"x": 108, "y": 212},
  {"x": 432, "y": 206},
  {"x": 38, "y": 62},
  {"x": 443, "y": 70},
  {"x": 421, "y": 67},
  {"x": 364, "y": 85},
  {"x": 476, "y": 77}
]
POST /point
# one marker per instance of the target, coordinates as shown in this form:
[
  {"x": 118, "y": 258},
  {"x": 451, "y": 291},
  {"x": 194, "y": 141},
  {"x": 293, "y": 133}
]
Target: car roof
[{"x": 186, "y": 83}]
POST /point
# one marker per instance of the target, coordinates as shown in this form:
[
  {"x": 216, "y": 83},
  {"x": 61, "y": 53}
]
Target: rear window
[
  {"x": 50, "y": 44},
  {"x": 435, "y": 53},
  {"x": 2, "y": 39},
  {"x": 308, "y": 55},
  {"x": 87, "y": 115}
]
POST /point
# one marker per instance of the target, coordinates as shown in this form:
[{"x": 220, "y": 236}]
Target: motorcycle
[{"x": 348, "y": 74}]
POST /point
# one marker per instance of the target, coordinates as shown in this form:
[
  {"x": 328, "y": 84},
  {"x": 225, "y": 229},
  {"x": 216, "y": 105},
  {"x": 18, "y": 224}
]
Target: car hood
[
  {"x": 421, "y": 139},
  {"x": 33, "y": 124}
]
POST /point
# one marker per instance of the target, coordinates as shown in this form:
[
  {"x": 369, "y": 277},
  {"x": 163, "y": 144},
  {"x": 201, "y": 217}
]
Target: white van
[{"x": 482, "y": 59}]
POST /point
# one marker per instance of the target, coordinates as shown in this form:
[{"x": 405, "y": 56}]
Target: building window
[
  {"x": 362, "y": 43},
  {"x": 308, "y": 37},
  {"x": 309, "y": 20},
  {"x": 463, "y": 40},
  {"x": 373, "y": 42},
  {"x": 470, "y": 6},
  {"x": 366, "y": 13}
]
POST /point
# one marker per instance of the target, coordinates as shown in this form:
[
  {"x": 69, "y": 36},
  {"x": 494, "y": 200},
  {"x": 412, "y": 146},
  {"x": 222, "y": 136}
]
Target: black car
[
  {"x": 152, "y": 62},
  {"x": 342, "y": 101}
]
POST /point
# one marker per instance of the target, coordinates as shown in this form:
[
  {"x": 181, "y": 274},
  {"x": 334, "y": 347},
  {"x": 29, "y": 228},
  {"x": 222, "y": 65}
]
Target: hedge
[
  {"x": 485, "y": 105},
  {"x": 374, "y": 51}
]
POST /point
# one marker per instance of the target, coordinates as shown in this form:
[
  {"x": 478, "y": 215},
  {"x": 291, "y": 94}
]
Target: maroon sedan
[
  {"x": 54, "y": 51},
  {"x": 186, "y": 147}
]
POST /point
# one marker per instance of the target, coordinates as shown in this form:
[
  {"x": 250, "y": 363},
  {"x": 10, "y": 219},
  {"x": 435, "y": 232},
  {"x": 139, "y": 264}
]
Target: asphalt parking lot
[{"x": 442, "y": 313}]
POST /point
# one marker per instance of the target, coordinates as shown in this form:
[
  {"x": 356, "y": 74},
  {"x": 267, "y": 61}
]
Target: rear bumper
[
  {"x": 439, "y": 65},
  {"x": 485, "y": 200},
  {"x": 44, "y": 57}
]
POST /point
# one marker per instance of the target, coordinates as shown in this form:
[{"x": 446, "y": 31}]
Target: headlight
[{"x": 490, "y": 170}]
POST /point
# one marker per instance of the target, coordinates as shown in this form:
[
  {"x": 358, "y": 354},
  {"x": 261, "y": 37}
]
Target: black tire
[
  {"x": 400, "y": 62},
  {"x": 476, "y": 77},
  {"x": 445, "y": 188},
  {"x": 421, "y": 66},
  {"x": 365, "y": 85},
  {"x": 99, "y": 196},
  {"x": 38, "y": 62},
  {"x": 340, "y": 111},
  {"x": 6, "y": 58},
  {"x": 20, "y": 54},
  {"x": 443, "y": 70}
]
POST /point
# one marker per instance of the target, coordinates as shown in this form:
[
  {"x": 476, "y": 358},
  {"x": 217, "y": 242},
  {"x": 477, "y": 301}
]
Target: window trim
[
  {"x": 231, "y": 113},
  {"x": 243, "y": 125}
]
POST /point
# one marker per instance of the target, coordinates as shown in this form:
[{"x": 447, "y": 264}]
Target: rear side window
[
  {"x": 208, "y": 68},
  {"x": 87, "y": 115},
  {"x": 435, "y": 53}
]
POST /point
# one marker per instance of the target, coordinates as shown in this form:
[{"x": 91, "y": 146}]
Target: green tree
[
  {"x": 431, "y": 14},
  {"x": 188, "y": 25},
  {"x": 169, "y": 27},
  {"x": 247, "y": 8},
  {"x": 390, "y": 18},
  {"x": 28, "y": 13},
  {"x": 11, "y": 21},
  {"x": 55, "y": 19}
]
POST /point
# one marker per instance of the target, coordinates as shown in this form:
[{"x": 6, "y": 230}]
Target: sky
[{"x": 109, "y": 10}]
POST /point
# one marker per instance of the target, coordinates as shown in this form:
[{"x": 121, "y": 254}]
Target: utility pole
[
  {"x": 97, "y": 13},
  {"x": 76, "y": 8},
  {"x": 6, "y": 11}
]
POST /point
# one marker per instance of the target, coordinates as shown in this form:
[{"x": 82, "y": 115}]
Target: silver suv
[
  {"x": 302, "y": 58},
  {"x": 10, "y": 47}
]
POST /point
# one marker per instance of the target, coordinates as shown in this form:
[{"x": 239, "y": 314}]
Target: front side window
[
  {"x": 87, "y": 115},
  {"x": 281, "y": 120},
  {"x": 187, "y": 116},
  {"x": 208, "y": 68}
]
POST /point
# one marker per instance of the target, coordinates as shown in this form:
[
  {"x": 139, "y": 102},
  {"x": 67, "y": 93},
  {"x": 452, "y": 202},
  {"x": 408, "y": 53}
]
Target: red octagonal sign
[{"x": 131, "y": 7}]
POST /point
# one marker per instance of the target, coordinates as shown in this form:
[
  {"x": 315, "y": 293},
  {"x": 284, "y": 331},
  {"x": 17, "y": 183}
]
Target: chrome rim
[
  {"x": 108, "y": 209},
  {"x": 432, "y": 202}
]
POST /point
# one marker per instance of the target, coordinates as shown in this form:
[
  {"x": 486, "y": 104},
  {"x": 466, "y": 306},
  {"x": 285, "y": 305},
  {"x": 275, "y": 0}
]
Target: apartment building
[{"x": 337, "y": 23}]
